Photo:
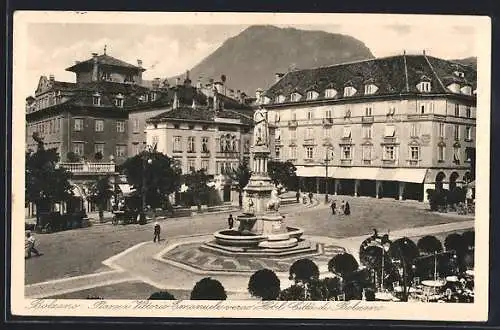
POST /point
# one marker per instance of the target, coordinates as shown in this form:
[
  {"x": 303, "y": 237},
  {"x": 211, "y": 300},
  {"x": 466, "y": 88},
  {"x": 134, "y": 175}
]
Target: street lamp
[
  {"x": 385, "y": 248},
  {"x": 145, "y": 161},
  {"x": 327, "y": 160}
]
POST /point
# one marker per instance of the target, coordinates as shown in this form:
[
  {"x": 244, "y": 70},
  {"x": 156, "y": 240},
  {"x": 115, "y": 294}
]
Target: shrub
[
  {"x": 314, "y": 290},
  {"x": 333, "y": 287},
  {"x": 469, "y": 238},
  {"x": 353, "y": 290},
  {"x": 404, "y": 249},
  {"x": 264, "y": 284},
  {"x": 370, "y": 295},
  {"x": 161, "y": 295},
  {"x": 208, "y": 289},
  {"x": 304, "y": 270},
  {"x": 343, "y": 263},
  {"x": 72, "y": 157},
  {"x": 437, "y": 198},
  {"x": 455, "y": 242},
  {"x": 429, "y": 244}
]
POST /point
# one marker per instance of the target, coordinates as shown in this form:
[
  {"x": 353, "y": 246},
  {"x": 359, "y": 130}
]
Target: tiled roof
[
  {"x": 392, "y": 75},
  {"x": 103, "y": 60},
  {"x": 201, "y": 113},
  {"x": 63, "y": 85}
]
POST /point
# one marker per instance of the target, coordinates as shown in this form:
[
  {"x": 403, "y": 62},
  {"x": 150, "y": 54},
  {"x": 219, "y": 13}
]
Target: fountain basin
[
  {"x": 236, "y": 238},
  {"x": 279, "y": 244},
  {"x": 295, "y": 232}
]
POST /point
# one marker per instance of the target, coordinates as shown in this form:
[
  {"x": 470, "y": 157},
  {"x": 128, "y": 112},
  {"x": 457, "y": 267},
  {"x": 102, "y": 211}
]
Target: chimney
[
  {"x": 51, "y": 77},
  {"x": 187, "y": 81},
  {"x": 95, "y": 68},
  {"x": 156, "y": 83},
  {"x": 278, "y": 76},
  {"x": 175, "y": 104},
  {"x": 139, "y": 63}
]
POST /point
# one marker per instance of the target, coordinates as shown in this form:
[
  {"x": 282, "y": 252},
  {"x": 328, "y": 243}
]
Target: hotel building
[{"x": 386, "y": 127}]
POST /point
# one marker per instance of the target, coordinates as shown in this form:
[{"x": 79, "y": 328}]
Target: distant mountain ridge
[
  {"x": 251, "y": 59},
  {"x": 472, "y": 61}
]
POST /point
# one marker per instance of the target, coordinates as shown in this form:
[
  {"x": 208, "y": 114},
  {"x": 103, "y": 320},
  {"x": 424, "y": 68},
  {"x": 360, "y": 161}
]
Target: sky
[{"x": 167, "y": 50}]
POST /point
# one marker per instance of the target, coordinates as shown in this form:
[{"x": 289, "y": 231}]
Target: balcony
[
  {"x": 327, "y": 121},
  {"x": 292, "y": 123},
  {"x": 367, "y": 119},
  {"x": 345, "y": 162},
  {"x": 89, "y": 168}
]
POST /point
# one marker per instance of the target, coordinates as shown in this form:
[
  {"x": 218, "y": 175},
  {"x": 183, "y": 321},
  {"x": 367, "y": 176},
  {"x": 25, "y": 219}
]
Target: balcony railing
[
  {"x": 79, "y": 168},
  {"x": 327, "y": 121},
  {"x": 292, "y": 123},
  {"x": 367, "y": 119}
]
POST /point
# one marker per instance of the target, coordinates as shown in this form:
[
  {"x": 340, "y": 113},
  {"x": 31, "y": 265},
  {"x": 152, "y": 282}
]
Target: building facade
[{"x": 388, "y": 127}]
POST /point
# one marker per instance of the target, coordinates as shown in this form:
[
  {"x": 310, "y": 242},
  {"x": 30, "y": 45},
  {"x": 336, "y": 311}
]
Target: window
[
  {"x": 468, "y": 112},
  {"x": 153, "y": 96},
  {"x": 58, "y": 125},
  {"x": 346, "y": 133},
  {"x": 347, "y": 113},
  {"x": 441, "y": 130},
  {"x": 294, "y": 116},
  {"x": 78, "y": 148},
  {"x": 468, "y": 133},
  {"x": 309, "y": 152},
  {"x": 391, "y": 111},
  {"x": 136, "y": 125},
  {"x": 327, "y": 132},
  {"x": 368, "y": 111},
  {"x": 119, "y": 101},
  {"x": 456, "y": 155},
  {"x": 190, "y": 141},
  {"x": 121, "y": 151},
  {"x": 136, "y": 149},
  {"x": 467, "y": 90},
  {"x": 293, "y": 152},
  {"x": 277, "y": 151},
  {"x": 441, "y": 153},
  {"x": 367, "y": 152},
  {"x": 457, "y": 132},
  {"x": 120, "y": 126},
  {"x": 328, "y": 114},
  {"x": 277, "y": 117},
  {"x": 99, "y": 147},
  {"x": 51, "y": 127},
  {"x": 204, "y": 144},
  {"x": 99, "y": 125},
  {"x": 370, "y": 89},
  {"x": 309, "y": 115},
  {"x": 309, "y": 133},
  {"x": 280, "y": 99},
  {"x": 349, "y": 91},
  {"x": 312, "y": 95},
  {"x": 389, "y": 153},
  {"x": 295, "y": 97},
  {"x": 457, "y": 110},
  {"x": 191, "y": 165},
  {"x": 155, "y": 140},
  {"x": 346, "y": 152},
  {"x": 277, "y": 134},
  {"x": 330, "y": 93},
  {"x": 390, "y": 131},
  {"x": 422, "y": 108},
  {"x": 177, "y": 143},
  {"x": 424, "y": 87},
  {"x": 414, "y": 153},
  {"x": 367, "y": 131},
  {"x": 414, "y": 130},
  {"x": 96, "y": 99},
  {"x": 204, "y": 164},
  {"x": 78, "y": 125},
  {"x": 293, "y": 134}
]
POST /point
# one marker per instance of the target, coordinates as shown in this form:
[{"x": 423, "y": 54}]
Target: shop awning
[
  {"x": 126, "y": 189},
  {"x": 414, "y": 175},
  {"x": 314, "y": 171},
  {"x": 386, "y": 174}
]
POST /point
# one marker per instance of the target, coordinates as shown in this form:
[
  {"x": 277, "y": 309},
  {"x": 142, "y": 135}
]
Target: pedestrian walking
[
  {"x": 157, "y": 232},
  {"x": 297, "y": 196},
  {"x": 30, "y": 239},
  {"x": 311, "y": 197},
  {"x": 230, "y": 221},
  {"x": 347, "y": 209},
  {"x": 334, "y": 207},
  {"x": 342, "y": 207}
]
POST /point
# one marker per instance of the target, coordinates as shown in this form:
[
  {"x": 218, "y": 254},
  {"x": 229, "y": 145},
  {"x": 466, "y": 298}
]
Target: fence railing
[{"x": 89, "y": 167}]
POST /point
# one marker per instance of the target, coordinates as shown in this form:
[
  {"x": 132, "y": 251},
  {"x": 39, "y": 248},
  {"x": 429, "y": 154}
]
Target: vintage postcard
[{"x": 250, "y": 165}]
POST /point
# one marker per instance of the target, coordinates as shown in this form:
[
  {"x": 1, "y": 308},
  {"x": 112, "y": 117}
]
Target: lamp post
[
  {"x": 385, "y": 248},
  {"x": 327, "y": 160},
  {"x": 145, "y": 161}
]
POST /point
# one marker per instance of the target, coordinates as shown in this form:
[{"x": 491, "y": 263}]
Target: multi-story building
[{"x": 393, "y": 126}]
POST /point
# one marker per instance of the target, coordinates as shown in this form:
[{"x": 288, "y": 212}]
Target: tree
[
  {"x": 161, "y": 176},
  {"x": 469, "y": 238},
  {"x": 283, "y": 173},
  {"x": 208, "y": 289},
  {"x": 45, "y": 182},
  {"x": 99, "y": 193},
  {"x": 343, "y": 264},
  {"x": 242, "y": 176},
  {"x": 304, "y": 270},
  {"x": 198, "y": 189},
  {"x": 161, "y": 295},
  {"x": 429, "y": 244},
  {"x": 264, "y": 284}
]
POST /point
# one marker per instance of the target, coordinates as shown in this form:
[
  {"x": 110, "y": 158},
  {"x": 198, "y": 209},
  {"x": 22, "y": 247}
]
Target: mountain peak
[{"x": 250, "y": 59}]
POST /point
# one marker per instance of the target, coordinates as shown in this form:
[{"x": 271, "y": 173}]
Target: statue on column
[{"x": 261, "y": 129}]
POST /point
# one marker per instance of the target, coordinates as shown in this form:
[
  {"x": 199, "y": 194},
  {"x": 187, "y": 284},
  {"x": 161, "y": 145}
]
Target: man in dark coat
[
  {"x": 157, "y": 231},
  {"x": 230, "y": 221},
  {"x": 347, "y": 209},
  {"x": 334, "y": 207}
]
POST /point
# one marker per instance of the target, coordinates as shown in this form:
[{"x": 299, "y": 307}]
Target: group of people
[{"x": 344, "y": 208}]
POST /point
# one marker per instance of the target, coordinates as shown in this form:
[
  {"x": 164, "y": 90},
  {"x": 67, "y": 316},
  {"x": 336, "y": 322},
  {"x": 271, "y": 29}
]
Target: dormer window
[
  {"x": 330, "y": 93},
  {"x": 119, "y": 101},
  {"x": 58, "y": 97},
  {"x": 459, "y": 74},
  {"x": 454, "y": 87},
  {"x": 266, "y": 100},
  {"x": 279, "y": 99},
  {"x": 349, "y": 91},
  {"x": 96, "y": 99},
  {"x": 424, "y": 86},
  {"x": 370, "y": 89},
  {"x": 466, "y": 90},
  {"x": 295, "y": 97},
  {"x": 312, "y": 95},
  {"x": 153, "y": 96}
]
